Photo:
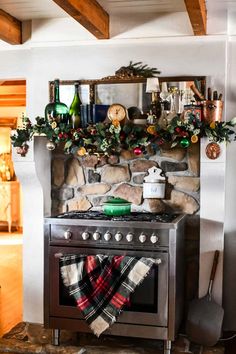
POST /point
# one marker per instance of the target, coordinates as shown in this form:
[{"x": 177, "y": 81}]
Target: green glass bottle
[
  {"x": 75, "y": 109},
  {"x": 56, "y": 110}
]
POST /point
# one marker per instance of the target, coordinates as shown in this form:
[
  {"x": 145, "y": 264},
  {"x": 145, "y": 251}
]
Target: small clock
[{"x": 117, "y": 111}]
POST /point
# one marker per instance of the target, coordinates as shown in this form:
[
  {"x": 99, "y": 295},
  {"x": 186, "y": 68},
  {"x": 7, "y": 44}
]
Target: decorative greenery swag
[{"x": 111, "y": 138}]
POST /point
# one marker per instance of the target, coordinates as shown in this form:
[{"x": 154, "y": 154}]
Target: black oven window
[
  {"x": 144, "y": 299},
  {"x": 64, "y": 298}
]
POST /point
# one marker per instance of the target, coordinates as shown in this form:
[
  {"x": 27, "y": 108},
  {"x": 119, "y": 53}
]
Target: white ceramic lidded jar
[{"x": 154, "y": 184}]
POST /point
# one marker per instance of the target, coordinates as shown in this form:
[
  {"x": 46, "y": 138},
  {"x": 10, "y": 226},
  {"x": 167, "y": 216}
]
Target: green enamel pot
[{"x": 116, "y": 207}]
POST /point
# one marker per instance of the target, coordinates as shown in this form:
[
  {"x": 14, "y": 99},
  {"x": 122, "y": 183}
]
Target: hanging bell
[{"x": 50, "y": 145}]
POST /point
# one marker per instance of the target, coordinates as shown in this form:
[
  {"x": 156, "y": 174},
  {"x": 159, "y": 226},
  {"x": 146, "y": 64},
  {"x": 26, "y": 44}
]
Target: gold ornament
[
  {"x": 81, "y": 151},
  {"x": 116, "y": 123},
  {"x": 213, "y": 125},
  {"x": 54, "y": 125},
  {"x": 194, "y": 139},
  {"x": 151, "y": 129}
]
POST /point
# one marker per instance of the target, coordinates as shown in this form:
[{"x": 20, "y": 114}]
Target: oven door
[{"x": 148, "y": 303}]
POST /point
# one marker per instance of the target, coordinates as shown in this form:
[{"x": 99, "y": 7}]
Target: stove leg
[
  {"x": 56, "y": 337},
  {"x": 167, "y": 347}
]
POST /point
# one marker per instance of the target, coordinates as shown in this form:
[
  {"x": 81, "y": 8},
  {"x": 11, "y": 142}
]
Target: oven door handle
[
  {"x": 158, "y": 261},
  {"x": 59, "y": 255}
]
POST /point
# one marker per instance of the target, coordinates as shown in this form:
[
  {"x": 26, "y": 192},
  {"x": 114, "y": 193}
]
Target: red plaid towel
[{"x": 102, "y": 284}]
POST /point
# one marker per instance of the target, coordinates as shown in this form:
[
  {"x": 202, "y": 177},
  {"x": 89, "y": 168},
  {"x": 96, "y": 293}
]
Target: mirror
[{"x": 97, "y": 95}]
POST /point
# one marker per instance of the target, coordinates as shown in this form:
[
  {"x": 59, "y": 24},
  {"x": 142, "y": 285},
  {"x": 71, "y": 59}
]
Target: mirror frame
[{"x": 115, "y": 80}]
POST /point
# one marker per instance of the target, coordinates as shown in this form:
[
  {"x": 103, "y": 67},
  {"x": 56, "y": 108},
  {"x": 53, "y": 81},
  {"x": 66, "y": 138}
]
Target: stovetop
[{"x": 134, "y": 216}]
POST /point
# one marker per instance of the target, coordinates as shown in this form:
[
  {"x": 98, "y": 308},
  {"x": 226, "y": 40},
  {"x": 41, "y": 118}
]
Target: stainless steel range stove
[{"x": 156, "y": 305}]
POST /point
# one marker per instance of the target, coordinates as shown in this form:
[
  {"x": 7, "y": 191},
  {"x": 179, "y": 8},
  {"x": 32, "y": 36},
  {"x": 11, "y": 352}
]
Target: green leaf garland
[{"x": 111, "y": 138}]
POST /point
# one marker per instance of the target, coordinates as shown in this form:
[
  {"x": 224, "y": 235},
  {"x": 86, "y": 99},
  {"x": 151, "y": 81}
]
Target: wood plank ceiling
[{"x": 92, "y": 14}]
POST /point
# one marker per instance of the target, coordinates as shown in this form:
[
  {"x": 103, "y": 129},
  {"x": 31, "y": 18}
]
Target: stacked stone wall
[{"x": 86, "y": 183}]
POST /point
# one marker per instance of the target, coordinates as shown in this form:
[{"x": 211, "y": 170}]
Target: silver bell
[{"x": 51, "y": 145}]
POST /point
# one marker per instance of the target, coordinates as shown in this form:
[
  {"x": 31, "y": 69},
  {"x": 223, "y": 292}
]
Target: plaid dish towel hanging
[{"x": 101, "y": 284}]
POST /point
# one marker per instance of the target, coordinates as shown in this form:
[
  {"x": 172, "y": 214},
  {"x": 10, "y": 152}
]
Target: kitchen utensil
[
  {"x": 209, "y": 96},
  {"x": 205, "y": 316},
  {"x": 116, "y": 207},
  {"x": 198, "y": 94},
  {"x": 215, "y": 95}
]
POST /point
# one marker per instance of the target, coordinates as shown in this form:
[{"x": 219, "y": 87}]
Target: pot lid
[{"x": 116, "y": 201}]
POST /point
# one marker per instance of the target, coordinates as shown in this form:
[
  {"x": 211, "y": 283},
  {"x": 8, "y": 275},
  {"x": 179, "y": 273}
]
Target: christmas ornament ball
[
  {"x": 50, "y": 145},
  {"x": 184, "y": 142},
  {"x": 137, "y": 151}
]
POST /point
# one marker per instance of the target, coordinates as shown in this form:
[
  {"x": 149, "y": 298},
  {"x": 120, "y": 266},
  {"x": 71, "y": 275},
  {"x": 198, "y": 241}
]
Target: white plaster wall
[
  {"x": 230, "y": 219},
  {"x": 173, "y": 56}
]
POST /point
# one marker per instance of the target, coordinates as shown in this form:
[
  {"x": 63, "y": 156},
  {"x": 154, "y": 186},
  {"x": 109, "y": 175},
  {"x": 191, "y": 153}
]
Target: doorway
[{"x": 12, "y": 108}]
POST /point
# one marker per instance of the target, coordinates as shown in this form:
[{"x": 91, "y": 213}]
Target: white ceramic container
[{"x": 154, "y": 184}]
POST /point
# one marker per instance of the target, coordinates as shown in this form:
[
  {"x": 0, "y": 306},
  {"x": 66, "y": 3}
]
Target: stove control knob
[
  {"x": 85, "y": 235},
  {"x": 96, "y": 235},
  {"x": 107, "y": 236},
  {"x": 129, "y": 237},
  {"x": 118, "y": 236},
  {"x": 142, "y": 238},
  {"x": 67, "y": 235},
  {"x": 154, "y": 238}
]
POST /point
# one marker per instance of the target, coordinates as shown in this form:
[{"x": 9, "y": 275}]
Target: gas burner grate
[{"x": 135, "y": 216}]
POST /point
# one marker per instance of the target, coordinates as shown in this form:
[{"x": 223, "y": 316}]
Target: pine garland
[{"x": 111, "y": 138}]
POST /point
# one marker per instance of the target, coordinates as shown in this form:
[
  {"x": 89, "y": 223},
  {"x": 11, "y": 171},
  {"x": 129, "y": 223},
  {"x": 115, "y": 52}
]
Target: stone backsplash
[{"x": 85, "y": 183}]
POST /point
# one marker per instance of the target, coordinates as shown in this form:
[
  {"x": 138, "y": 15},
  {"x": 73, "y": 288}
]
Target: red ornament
[
  {"x": 184, "y": 134},
  {"x": 137, "y": 151},
  {"x": 122, "y": 136},
  {"x": 93, "y": 132}
]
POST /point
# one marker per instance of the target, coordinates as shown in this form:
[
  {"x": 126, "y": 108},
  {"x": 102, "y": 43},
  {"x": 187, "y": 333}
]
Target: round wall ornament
[{"x": 213, "y": 151}]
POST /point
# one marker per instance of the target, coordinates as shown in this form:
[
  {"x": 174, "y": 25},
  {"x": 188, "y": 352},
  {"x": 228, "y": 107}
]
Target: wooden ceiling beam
[
  {"x": 10, "y": 28},
  {"x": 90, "y": 14},
  {"x": 198, "y": 16}
]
